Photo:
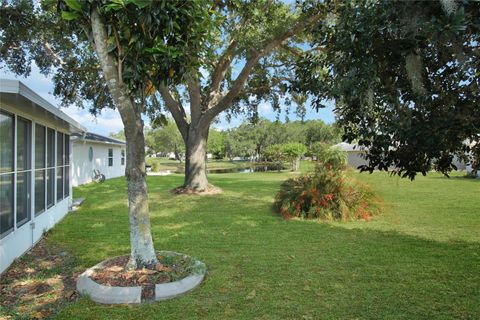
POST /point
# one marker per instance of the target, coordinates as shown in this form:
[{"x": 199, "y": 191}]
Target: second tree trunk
[{"x": 195, "y": 160}]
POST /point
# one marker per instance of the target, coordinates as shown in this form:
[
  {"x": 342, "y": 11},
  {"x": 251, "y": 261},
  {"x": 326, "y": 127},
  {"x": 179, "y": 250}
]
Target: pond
[
  {"x": 249, "y": 169},
  {"x": 253, "y": 168}
]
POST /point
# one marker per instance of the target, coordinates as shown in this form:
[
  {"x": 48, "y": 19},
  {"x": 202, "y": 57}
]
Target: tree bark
[
  {"x": 296, "y": 164},
  {"x": 142, "y": 252},
  {"x": 195, "y": 160}
]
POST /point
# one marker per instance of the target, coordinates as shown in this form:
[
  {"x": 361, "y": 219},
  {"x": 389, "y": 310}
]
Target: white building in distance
[{"x": 93, "y": 152}]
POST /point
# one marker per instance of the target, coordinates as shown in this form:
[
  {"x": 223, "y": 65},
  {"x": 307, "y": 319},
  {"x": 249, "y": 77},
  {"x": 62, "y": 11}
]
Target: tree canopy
[{"x": 405, "y": 78}]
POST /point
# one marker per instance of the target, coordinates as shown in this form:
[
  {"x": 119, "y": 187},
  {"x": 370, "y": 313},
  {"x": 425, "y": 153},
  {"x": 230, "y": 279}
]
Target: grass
[{"x": 419, "y": 260}]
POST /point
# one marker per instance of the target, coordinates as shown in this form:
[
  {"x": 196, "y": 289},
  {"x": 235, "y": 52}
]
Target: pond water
[
  {"x": 253, "y": 168},
  {"x": 257, "y": 168}
]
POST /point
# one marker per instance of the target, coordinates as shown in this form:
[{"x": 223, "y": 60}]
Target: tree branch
[
  {"x": 175, "y": 109},
  {"x": 193, "y": 84},
  {"x": 299, "y": 53},
  {"x": 48, "y": 47},
  {"x": 239, "y": 83},
  {"x": 220, "y": 71}
]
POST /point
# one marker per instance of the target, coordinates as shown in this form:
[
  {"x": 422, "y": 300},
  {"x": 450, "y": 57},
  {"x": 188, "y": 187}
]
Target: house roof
[
  {"x": 350, "y": 147},
  {"x": 16, "y": 93},
  {"x": 93, "y": 137}
]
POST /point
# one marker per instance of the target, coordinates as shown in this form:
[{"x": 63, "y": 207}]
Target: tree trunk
[
  {"x": 195, "y": 160},
  {"x": 296, "y": 164},
  {"x": 177, "y": 154},
  {"x": 142, "y": 251}
]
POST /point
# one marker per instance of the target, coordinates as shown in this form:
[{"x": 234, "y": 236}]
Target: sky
[{"x": 109, "y": 120}]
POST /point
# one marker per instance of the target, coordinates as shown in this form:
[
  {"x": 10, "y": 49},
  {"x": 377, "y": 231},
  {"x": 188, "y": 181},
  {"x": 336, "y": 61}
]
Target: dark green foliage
[{"x": 405, "y": 78}]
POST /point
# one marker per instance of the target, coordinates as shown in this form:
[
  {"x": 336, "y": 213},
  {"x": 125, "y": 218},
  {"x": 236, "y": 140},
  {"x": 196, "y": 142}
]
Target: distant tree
[
  {"x": 405, "y": 76},
  {"x": 300, "y": 100},
  {"x": 216, "y": 145},
  {"x": 292, "y": 152},
  {"x": 319, "y": 131},
  {"x": 120, "y": 135},
  {"x": 165, "y": 138},
  {"x": 251, "y": 139},
  {"x": 239, "y": 142},
  {"x": 274, "y": 153}
]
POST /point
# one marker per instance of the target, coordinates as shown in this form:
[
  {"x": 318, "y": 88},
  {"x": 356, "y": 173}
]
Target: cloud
[
  {"x": 265, "y": 107},
  {"x": 106, "y": 122}
]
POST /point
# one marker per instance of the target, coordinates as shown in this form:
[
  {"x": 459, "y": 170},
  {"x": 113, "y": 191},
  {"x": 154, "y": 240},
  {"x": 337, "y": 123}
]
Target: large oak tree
[{"x": 249, "y": 61}]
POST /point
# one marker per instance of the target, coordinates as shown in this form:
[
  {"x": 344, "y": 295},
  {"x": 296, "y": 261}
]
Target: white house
[
  {"x": 355, "y": 154},
  {"x": 95, "y": 152},
  {"x": 35, "y": 160}
]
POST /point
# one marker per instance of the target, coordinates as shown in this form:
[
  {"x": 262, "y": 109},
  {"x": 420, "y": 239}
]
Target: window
[
  {"x": 123, "y": 157},
  {"x": 90, "y": 154},
  {"x": 66, "y": 168},
  {"x": 19, "y": 172},
  {"x": 50, "y": 167},
  {"x": 59, "y": 183},
  {"x": 63, "y": 166},
  {"x": 110, "y": 157},
  {"x": 6, "y": 143},
  {"x": 40, "y": 167},
  {"x": 59, "y": 149},
  {"x": 23, "y": 170},
  {"x": 6, "y": 203},
  {"x": 6, "y": 173}
]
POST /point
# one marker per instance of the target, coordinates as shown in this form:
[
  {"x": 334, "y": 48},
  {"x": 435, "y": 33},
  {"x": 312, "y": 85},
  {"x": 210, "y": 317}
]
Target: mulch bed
[
  {"x": 39, "y": 284},
  {"x": 210, "y": 190},
  {"x": 114, "y": 272}
]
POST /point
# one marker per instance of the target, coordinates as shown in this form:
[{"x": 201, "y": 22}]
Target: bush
[
  {"x": 154, "y": 163},
  {"x": 274, "y": 154},
  {"x": 327, "y": 193},
  {"x": 291, "y": 152}
]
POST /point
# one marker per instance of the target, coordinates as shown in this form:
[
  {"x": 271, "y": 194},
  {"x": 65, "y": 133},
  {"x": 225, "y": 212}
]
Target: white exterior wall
[
  {"x": 82, "y": 167},
  {"x": 21, "y": 239},
  {"x": 356, "y": 159},
  {"x": 470, "y": 169}
]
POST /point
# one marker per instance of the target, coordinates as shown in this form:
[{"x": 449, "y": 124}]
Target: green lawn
[{"x": 419, "y": 260}]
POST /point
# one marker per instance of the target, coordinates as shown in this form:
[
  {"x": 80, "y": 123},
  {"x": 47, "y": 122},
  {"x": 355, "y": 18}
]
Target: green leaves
[
  {"x": 144, "y": 3},
  {"x": 75, "y": 5},
  {"x": 402, "y": 76},
  {"x": 68, "y": 15},
  {"x": 75, "y": 9}
]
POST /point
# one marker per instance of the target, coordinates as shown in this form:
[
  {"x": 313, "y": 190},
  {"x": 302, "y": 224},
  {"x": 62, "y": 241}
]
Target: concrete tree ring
[{"x": 133, "y": 295}]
